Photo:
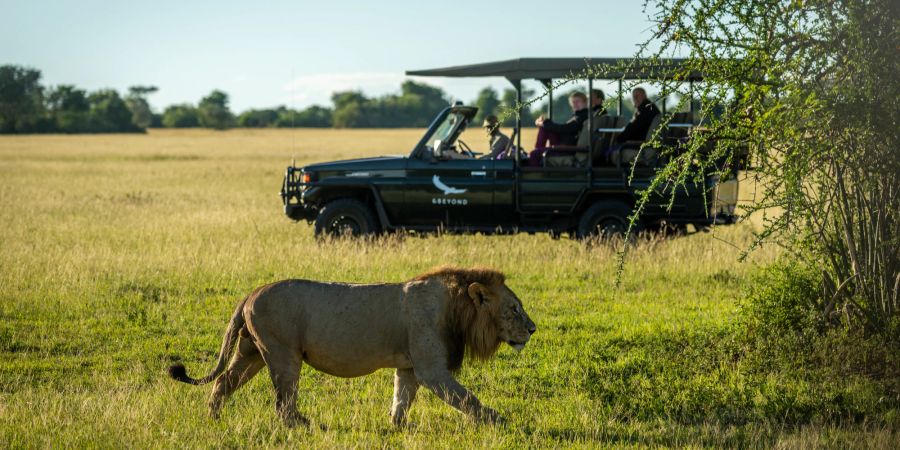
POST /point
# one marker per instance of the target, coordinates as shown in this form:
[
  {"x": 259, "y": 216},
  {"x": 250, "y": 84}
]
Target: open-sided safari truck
[{"x": 575, "y": 191}]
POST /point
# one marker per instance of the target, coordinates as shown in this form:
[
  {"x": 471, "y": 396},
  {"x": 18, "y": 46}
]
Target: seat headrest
[{"x": 654, "y": 124}]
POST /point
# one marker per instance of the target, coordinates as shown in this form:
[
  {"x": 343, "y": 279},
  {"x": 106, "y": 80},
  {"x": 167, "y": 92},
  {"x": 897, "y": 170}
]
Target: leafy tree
[
  {"x": 181, "y": 116},
  {"x": 141, "y": 91},
  {"x": 136, "y": 100},
  {"x": 21, "y": 99},
  {"x": 351, "y": 115},
  {"x": 214, "y": 112},
  {"x": 313, "y": 117},
  {"x": 258, "y": 118},
  {"x": 67, "y": 98},
  {"x": 509, "y": 103},
  {"x": 807, "y": 89},
  {"x": 419, "y": 103},
  {"x": 415, "y": 106},
  {"x": 109, "y": 113},
  {"x": 487, "y": 103},
  {"x": 350, "y": 109},
  {"x": 69, "y": 108}
]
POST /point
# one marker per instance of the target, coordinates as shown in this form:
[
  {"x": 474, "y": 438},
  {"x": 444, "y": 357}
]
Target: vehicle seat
[
  {"x": 631, "y": 152},
  {"x": 679, "y": 129},
  {"x": 566, "y": 156},
  {"x": 603, "y": 140}
]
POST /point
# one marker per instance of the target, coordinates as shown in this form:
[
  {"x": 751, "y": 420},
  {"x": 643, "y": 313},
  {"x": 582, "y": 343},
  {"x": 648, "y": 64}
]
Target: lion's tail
[{"x": 179, "y": 373}]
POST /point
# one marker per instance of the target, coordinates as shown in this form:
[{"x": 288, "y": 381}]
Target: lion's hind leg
[
  {"x": 284, "y": 368},
  {"x": 245, "y": 364}
]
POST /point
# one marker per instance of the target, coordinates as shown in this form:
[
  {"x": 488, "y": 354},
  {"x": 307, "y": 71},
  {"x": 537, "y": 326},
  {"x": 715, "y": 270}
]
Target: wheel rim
[
  {"x": 609, "y": 228},
  {"x": 345, "y": 226}
]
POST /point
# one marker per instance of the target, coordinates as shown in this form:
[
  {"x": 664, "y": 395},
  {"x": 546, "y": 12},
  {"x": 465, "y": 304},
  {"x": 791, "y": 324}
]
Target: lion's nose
[{"x": 532, "y": 329}]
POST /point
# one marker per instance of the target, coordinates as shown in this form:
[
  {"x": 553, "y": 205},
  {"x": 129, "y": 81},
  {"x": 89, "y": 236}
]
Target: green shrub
[
  {"x": 714, "y": 376},
  {"x": 784, "y": 297}
]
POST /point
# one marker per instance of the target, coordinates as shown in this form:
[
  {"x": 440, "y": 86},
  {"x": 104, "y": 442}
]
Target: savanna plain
[{"x": 122, "y": 254}]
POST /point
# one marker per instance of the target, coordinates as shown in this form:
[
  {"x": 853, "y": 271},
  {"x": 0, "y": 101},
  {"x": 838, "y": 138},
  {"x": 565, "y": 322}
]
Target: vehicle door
[{"x": 454, "y": 193}]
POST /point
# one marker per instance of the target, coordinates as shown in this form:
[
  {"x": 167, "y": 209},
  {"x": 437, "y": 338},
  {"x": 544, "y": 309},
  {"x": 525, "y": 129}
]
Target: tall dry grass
[{"x": 120, "y": 253}]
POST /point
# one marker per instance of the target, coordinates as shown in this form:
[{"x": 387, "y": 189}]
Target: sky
[{"x": 297, "y": 53}]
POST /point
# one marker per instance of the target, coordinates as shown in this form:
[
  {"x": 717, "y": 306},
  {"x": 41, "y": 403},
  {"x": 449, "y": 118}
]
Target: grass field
[{"x": 121, "y": 253}]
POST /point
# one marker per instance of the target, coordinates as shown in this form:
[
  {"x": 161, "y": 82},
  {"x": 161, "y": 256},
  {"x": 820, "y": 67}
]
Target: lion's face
[{"x": 513, "y": 324}]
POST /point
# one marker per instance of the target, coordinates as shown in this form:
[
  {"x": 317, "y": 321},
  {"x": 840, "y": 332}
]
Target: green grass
[{"x": 122, "y": 253}]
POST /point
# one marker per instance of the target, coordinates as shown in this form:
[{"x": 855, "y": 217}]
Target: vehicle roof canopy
[{"x": 550, "y": 68}]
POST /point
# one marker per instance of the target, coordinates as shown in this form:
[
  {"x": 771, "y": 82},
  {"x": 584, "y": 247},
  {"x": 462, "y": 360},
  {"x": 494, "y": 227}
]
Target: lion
[{"x": 422, "y": 328}]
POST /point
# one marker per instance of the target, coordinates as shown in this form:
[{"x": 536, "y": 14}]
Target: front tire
[
  {"x": 345, "y": 217},
  {"x": 605, "y": 221}
]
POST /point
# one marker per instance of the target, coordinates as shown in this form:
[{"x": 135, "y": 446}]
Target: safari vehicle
[{"x": 574, "y": 193}]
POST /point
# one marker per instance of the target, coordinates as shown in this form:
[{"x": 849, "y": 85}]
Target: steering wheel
[{"x": 465, "y": 148}]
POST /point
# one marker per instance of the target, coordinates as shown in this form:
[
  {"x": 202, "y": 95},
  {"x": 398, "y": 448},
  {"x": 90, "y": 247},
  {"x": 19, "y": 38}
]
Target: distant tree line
[{"x": 26, "y": 106}]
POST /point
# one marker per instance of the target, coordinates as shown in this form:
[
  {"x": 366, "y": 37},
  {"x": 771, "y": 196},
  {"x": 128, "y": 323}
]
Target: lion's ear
[{"x": 478, "y": 293}]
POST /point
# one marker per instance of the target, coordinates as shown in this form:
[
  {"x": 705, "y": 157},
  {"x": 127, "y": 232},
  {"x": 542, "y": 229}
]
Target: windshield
[{"x": 447, "y": 131}]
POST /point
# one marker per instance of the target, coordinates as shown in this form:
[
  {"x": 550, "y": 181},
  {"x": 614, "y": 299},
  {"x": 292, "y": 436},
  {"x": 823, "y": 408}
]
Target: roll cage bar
[{"x": 545, "y": 70}]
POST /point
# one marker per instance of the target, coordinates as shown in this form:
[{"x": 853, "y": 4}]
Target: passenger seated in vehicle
[
  {"x": 636, "y": 130},
  {"x": 553, "y": 133},
  {"x": 597, "y": 109},
  {"x": 497, "y": 141},
  {"x": 644, "y": 112},
  {"x": 579, "y": 155}
]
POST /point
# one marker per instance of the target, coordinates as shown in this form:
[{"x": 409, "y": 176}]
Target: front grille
[{"x": 291, "y": 186}]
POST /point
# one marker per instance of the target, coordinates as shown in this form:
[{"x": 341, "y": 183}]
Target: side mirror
[{"x": 437, "y": 149}]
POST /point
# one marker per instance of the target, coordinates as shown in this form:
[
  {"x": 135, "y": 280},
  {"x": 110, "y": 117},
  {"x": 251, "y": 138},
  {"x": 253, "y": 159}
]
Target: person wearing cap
[{"x": 497, "y": 141}]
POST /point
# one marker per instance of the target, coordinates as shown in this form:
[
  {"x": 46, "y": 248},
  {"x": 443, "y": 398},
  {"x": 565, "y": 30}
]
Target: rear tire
[
  {"x": 345, "y": 217},
  {"x": 605, "y": 220}
]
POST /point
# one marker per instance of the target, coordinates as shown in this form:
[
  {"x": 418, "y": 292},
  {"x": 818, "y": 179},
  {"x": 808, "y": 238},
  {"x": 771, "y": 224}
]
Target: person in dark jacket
[
  {"x": 644, "y": 112},
  {"x": 553, "y": 133},
  {"x": 636, "y": 130}
]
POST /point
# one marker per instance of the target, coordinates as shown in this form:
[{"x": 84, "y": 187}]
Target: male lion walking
[{"x": 422, "y": 328}]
